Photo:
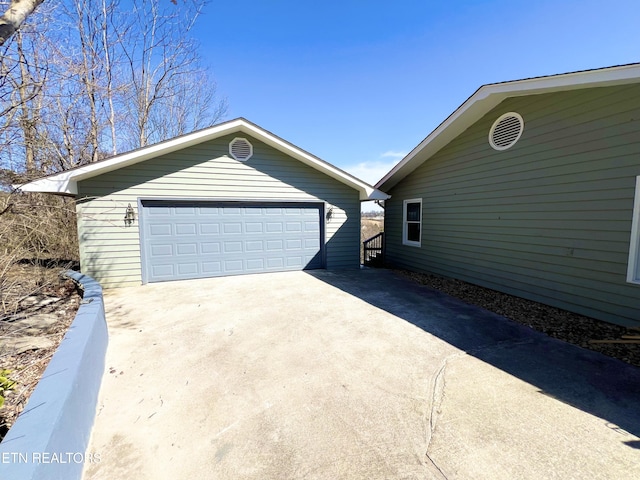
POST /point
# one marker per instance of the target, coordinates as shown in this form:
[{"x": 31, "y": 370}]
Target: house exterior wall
[
  {"x": 110, "y": 252},
  {"x": 548, "y": 219}
]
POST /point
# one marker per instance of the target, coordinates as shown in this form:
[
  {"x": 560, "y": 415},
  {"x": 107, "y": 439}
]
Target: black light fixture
[{"x": 129, "y": 216}]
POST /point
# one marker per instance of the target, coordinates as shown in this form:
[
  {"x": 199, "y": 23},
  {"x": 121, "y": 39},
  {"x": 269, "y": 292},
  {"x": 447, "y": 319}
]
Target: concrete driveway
[{"x": 354, "y": 375}]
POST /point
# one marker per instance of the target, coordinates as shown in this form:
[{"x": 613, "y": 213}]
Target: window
[
  {"x": 633, "y": 268},
  {"x": 412, "y": 222}
]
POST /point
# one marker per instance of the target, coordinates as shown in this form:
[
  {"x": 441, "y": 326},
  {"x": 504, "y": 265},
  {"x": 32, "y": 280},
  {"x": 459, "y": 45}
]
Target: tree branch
[{"x": 15, "y": 16}]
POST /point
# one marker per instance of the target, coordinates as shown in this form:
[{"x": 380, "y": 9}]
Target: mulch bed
[{"x": 557, "y": 323}]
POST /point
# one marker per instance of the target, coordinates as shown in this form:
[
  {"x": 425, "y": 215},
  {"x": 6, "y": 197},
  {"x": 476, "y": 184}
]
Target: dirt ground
[{"x": 36, "y": 291}]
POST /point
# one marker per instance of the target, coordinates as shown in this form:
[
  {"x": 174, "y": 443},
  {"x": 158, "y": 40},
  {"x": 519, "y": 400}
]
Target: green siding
[
  {"x": 548, "y": 219},
  {"x": 110, "y": 252}
]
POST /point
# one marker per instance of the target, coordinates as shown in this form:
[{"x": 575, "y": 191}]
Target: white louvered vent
[
  {"x": 506, "y": 131},
  {"x": 240, "y": 149}
]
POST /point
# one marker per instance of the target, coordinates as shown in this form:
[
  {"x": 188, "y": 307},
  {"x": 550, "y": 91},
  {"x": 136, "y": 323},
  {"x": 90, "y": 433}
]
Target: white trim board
[
  {"x": 489, "y": 96},
  {"x": 633, "y": 270},
  {"x": 66, "y": 183}
]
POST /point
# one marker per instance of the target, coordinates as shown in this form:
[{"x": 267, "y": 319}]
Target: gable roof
[
  {"x": 488, "y": 96},
  {"x": 66, "y": 182}
]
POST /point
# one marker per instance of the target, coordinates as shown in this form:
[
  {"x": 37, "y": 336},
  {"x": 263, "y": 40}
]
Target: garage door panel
[
  {"x": 294, "y": 244},
  {"x": 233, "y": 266},
  {"x": 232, "y": 247},
  {"x": 253, "y": 227},
  {"x": 210, "y": 247},
  {"x": 272, "y": 227},
  {"x": 209, "y": 229},
  {"x": 275, "y": 245},
  {"x": 255, "y": 265},
  {"x": 162, "y": 271},
  {"x": 231, "y": 211},
  {"x": 202, "y": 240},
  {"x": 311, "y": 227},
  {"x": 204, "y": 211},
  {"x": 161, "y": 250},
  {"x": 185, "y": 211},
  {"x": 187, "y": 249},
  {"x": 275, "y": 263},
  {"x": 159, "y": 211},
  {"x": 254, "y": 246},
  {"x": 188, "y": 268},
  {"x": 186, "y": 228},
  {"x": 294, "y": 262},
  {"x": 212, "y": 268},
  {"x": 161, "y": 229},
  {"x": 231, "y": 228}
]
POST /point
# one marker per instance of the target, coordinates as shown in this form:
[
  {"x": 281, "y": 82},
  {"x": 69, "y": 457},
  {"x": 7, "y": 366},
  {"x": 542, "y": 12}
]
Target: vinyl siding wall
[
  {"x": 548, "y": 219},
  {"x": 110, "y": 252}
]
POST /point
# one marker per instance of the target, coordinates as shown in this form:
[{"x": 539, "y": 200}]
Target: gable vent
[
  {"x": 506, "y": 131},
  {"x": 240, "y": 149}
]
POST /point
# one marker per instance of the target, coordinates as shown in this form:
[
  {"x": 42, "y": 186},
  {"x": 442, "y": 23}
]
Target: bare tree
[
  {"x": 178, "y": 113},
  {"x": 100, "y": 79},
  {"x": 24, "y": 74},
  {"x": 165, "y": 74},
  {"x": 14, "y": 16}
]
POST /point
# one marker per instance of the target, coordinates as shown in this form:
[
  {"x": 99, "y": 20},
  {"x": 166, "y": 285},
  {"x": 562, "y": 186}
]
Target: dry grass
[
  {"x": 370, "y": 227},
  {"x": 38, "y": 240},
  {"x": 35, "y": 230}
]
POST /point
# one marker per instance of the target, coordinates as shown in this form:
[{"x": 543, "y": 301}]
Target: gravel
[{"x": 566, "y": 326}]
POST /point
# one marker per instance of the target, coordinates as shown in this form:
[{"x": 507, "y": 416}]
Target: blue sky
[{"x": 360, "y": 83}]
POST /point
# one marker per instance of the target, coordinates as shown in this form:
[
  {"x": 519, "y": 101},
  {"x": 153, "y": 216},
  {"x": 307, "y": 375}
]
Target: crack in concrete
[
  {"x": 438, "y": 385},
  {"x": 437, "y": 388}
]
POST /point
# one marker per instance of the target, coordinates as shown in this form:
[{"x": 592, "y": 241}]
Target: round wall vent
[
  {"x": 240, "y": 149},
  {"x": 506, "y": 131}
]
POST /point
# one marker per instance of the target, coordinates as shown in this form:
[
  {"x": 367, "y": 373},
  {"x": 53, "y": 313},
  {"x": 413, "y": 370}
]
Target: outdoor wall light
[
  {"x": 129, "y": 216},
  {"x": 329, "y": 214}
]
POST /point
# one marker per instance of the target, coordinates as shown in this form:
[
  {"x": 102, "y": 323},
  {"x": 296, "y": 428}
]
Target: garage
[
  {"x": 185, "y": 240},
  {"x": 231, "y": 199}
]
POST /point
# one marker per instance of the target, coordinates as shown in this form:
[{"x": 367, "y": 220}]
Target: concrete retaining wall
[{"x": 49, "y": 439}]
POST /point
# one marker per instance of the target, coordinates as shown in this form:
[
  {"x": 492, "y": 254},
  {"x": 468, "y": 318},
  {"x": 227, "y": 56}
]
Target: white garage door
[{"x": 182, "y": 240}]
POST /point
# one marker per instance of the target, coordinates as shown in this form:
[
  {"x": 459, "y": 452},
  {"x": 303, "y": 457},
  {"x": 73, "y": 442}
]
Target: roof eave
[
  {"x": 367, "y": 192},
  {"x": 66, "y": 183},
  {"x": 58, "y": 186},
  {"x": 489, "y": 96}
]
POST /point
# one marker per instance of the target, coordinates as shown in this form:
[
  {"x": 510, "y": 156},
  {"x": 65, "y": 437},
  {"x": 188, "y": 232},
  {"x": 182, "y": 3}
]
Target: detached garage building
[{"x": 231, "y": 199}]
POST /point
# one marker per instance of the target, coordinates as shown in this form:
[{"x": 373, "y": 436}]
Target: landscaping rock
[{"x": 17, "y": 345}]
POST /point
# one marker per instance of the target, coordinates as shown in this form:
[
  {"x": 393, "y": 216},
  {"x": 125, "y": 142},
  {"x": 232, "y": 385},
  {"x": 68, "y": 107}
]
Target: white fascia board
[
  {"x": 462, "y": 118},
  {"x": 60, "y": 184},
  {"x": 488, "y": 96},
  {"x": 67, "y": 182},
  {"x": 367, "y": 192}
]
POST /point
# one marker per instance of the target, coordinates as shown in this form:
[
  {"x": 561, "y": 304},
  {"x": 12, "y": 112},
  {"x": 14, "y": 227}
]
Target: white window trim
[
  {"x": 410, "y": 243},
  {"x": 634, "y": 244}
]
